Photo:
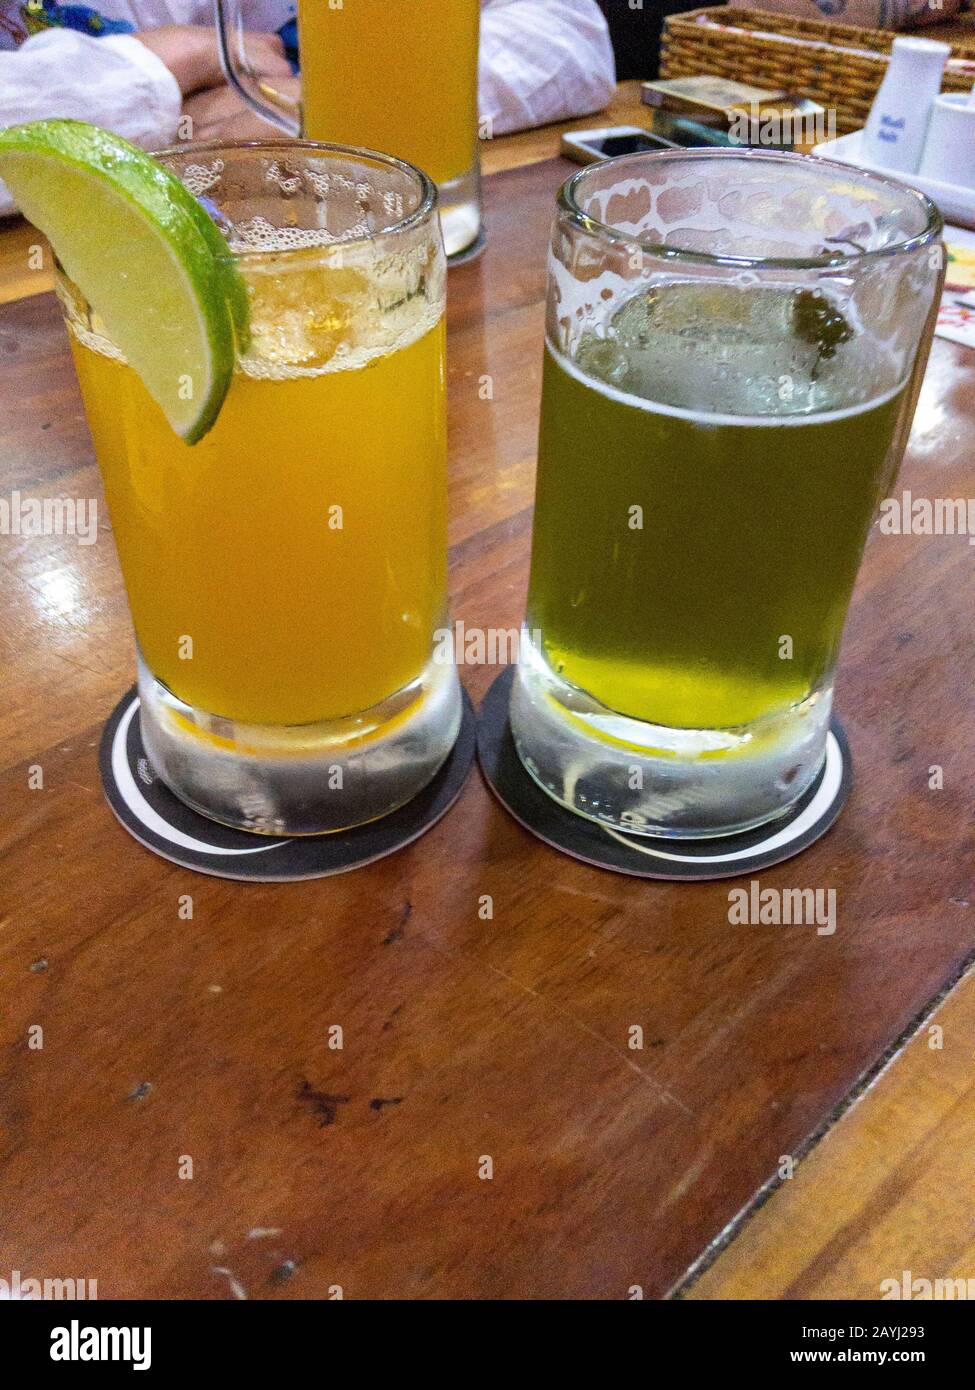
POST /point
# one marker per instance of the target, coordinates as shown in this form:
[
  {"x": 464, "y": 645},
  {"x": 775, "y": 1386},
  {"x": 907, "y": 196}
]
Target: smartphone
[
  {"x": 688, "y": 133},
  {"x": 589, "y": 146},
  {"x": 675, "y": 132}
]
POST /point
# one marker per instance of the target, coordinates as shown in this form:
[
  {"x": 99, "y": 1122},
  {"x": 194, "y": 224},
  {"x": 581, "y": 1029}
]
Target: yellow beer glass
[
  {"x": 287, "y": 574},
  {"x": 394, "y": 75}
]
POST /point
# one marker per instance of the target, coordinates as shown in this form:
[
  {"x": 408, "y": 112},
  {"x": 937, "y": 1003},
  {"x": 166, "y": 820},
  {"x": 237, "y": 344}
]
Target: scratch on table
[
  {"x": 263, "y": 1232},
  {"x": 233, "y": 1283},
  {"x": 386, "y": 1025},
  {"x": 754, "y": 1001},
  {"x": 659, "y": 1091},
  {"x": 68, "y": 661},
  {"x": 589, "y": 896},
  {"x": 25, "y": 826},
  {"x": 396, "y": 933},
  {"x": 686, "y": 1181}
]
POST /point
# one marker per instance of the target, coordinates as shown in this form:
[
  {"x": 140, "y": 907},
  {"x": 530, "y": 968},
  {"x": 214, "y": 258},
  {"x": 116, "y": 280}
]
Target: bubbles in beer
[
  {"x": 318, "y": 309},
  {"x": 726, "y": 347}
]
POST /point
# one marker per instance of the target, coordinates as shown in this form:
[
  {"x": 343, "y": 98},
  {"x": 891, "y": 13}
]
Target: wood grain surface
[
  {"x": 463, "y": 1037},
  {"x": 887, "y": 1193}
]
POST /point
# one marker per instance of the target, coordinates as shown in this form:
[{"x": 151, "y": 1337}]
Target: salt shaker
[
  {"x": 898, "y": 120},
  {"x": 949, "y": 149}
]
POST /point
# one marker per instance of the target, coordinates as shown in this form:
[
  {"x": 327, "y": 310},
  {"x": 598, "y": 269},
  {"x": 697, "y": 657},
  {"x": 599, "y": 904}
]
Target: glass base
[
  {"x": 460, "y": 211},
  {"x": 650, "y": 780},
  {"x": 307, "y": 779}
]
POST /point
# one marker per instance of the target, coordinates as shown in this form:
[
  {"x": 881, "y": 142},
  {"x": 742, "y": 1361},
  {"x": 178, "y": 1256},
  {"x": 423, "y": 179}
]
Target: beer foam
[
  {"x": 258, "y": 234},
  {"x": 343, "y": 360},
  {"x": 783, "y": 213},
  {"x": 346, "y": 358},
  {"x": 301, "y": 326},
  {"x": 750, "y": 206},
  {"x": 715, "y": 419},
  {"x": 338, "y": 310}
]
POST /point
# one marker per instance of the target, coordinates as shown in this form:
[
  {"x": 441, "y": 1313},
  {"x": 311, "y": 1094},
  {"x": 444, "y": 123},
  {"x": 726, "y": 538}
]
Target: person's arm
[
  {"x": 114, "y": 81},
  {"x": 192, "y": 54},
  {"x": 541, "y": 61}
]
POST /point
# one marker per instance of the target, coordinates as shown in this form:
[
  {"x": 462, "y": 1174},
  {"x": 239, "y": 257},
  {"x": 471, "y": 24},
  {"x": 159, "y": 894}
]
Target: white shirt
[{"x": 541, "y": 60}]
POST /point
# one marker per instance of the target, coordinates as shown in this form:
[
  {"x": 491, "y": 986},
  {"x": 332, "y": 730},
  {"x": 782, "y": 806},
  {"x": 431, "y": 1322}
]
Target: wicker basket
[{"x": 838, "y": 65}]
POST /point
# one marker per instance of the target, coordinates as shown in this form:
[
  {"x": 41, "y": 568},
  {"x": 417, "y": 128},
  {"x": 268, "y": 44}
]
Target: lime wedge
[{"x": 143, "y": 252}]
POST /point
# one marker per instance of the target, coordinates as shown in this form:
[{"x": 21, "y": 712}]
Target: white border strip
[{"x": 143, "y": 812}]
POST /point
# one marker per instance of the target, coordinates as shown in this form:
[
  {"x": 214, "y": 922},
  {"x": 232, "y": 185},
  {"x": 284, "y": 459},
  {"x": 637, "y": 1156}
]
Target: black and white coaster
[
  {"x": 160, "y": 821},
  {"x": 644, "y": 857},
  {"x": 469, "y": 253}
]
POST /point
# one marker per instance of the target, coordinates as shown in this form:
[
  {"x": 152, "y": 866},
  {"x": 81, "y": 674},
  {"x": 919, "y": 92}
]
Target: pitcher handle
[{"x": 259, "y": 95}]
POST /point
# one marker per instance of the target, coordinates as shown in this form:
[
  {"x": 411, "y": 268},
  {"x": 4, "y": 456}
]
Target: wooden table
[{"x": 613, "y": 1170}]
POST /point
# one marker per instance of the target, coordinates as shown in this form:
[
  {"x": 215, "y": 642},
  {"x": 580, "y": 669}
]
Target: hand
[
  {"x": 191, "y": 53},
  {"x": 220, "y": 114}
]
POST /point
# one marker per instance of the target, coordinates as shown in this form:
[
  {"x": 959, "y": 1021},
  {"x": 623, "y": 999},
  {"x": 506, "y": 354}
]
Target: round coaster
[
  {"x": 607, "y": 848},
  {"x": 469, "y": 253},
  {"x": 160, "y": 821}
]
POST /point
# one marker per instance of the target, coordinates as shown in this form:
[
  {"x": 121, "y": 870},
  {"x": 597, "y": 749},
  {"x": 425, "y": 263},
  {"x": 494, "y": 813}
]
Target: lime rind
[
  {"x": 236, "y": 290},
  {"x": 145, "y": 255}
]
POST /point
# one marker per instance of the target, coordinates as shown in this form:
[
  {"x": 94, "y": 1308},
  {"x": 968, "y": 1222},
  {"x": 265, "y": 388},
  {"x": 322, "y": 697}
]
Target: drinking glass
[
  {"x": 735, "y": 341},
  {"x": 287, "y": 574},
  {"x": 399, "y": 77}
]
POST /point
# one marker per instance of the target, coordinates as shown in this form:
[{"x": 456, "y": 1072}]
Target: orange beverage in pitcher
[{"x": 402, "y": 78}]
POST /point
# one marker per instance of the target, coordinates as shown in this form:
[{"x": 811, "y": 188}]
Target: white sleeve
[
  {"x": 114, "y": 82},
  {"x": 543, "y": 60}
]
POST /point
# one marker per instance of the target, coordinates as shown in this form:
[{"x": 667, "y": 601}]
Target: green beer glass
[{"x": 734, "y": 345}]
